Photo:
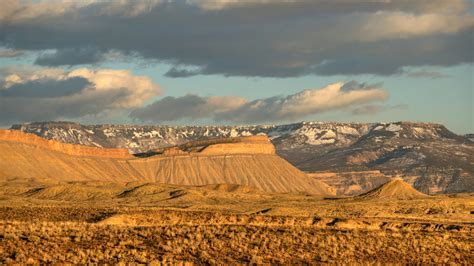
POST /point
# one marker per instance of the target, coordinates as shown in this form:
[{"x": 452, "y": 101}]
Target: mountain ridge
[{"x": 427, "y": 155}]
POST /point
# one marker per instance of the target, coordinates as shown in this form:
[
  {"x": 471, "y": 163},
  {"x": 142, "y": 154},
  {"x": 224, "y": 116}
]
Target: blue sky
[{"x": 211, "y": 62}]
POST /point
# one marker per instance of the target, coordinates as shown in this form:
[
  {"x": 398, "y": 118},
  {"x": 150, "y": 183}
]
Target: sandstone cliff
[
  {"x": 76, "y": 150},
  {"x": 242, "y": 145}
]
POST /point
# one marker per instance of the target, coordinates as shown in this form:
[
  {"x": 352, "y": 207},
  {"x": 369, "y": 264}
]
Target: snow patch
[
  {"x": 318, "y": 137},
  {"x": 329, "y": 135},
  {"x": 347, "y": 130},
  {"x": 419, "y": 130},
  {"x": 109, "y": 133},
  {"x": 246, "y": 133},
  {"x": 321, "y": 141},
  {"x": 393, "y": 128},
  {"x": 234, "y": 133}
]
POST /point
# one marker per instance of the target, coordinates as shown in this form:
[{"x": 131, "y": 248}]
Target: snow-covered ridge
[{"x": 139, "y": 138}]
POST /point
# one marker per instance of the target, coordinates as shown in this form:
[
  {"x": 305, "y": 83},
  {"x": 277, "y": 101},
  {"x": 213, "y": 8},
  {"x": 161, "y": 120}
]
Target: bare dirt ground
[{"x": 225, "y": 224}]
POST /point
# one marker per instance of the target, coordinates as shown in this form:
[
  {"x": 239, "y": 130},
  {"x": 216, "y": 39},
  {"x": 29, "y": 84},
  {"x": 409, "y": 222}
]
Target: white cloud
[
  {"x": 139, "y": 88},
  {"x": 305, "y": 103},
  {"x": 336, "y": 96},
  {"x": 330, "y": 97},
  {"x": 48, "y": 94}
]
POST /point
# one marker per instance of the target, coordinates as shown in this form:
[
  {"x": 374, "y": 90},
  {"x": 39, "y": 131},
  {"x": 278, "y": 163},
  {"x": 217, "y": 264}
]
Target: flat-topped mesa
[
  {"x": 259, "y": 144},
  {"x": 70, "y": 149},
  {"x": 242, "y": 145}
]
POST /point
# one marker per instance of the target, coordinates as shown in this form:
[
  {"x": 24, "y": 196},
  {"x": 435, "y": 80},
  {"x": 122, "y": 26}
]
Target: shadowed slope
[
  {"x": 394, "y": 189},
  {"x": 249, "y": 162}
]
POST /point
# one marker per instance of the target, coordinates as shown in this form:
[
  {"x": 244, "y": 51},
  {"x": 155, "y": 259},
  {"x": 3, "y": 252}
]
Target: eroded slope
[{"x": 249, "y": 161}]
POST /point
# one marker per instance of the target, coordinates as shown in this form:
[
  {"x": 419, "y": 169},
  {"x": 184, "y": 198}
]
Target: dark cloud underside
[
  {"x": 46, "y": 88},
  {"x": 70, "y": 56},
  {"x": 271, "y": 39},
  {"x": 13, "y": 110}
]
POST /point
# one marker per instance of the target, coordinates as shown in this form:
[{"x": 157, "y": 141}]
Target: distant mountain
[{"x": 428, "y": 156}]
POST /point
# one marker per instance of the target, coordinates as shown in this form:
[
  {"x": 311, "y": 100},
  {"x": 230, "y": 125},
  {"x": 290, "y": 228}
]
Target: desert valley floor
[
  {"x": 232, "y": 201},
  {"x": 222, "y": 224}
]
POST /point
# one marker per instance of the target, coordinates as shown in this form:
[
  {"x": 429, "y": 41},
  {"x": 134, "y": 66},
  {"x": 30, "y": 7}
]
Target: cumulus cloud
[
  {"x": 49, "y": 94},
  {"x": 303, "y": 104},
  {"x": 236, "y": 109},
  {"x": 247, "y": 38},
  {"x": 137, "y": 88}
]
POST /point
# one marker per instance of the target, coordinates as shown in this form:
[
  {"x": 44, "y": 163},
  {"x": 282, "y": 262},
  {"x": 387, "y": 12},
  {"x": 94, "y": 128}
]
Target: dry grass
[
  {"x": 155, "y": 223},
  {"x": 78, "y": 242}
]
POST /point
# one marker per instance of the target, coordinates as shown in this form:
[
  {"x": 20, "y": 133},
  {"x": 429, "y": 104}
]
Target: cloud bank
[
  {"x": 246, "y": 38},
  {"x": 50, "y": 94},
  {"x": 32, "y": 94},
  {"x": 234, "y": 109}
]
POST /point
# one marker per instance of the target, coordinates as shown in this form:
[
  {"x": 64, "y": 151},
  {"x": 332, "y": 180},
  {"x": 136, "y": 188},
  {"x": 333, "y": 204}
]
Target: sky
[{"x": 225, "y": 62}]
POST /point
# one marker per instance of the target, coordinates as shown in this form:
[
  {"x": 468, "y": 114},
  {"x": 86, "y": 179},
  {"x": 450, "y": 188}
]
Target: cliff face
[
  {"x": 71, "y": 149},
  {"x": 244, "y": 145},
  {"x": 245, "y": 161}
]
